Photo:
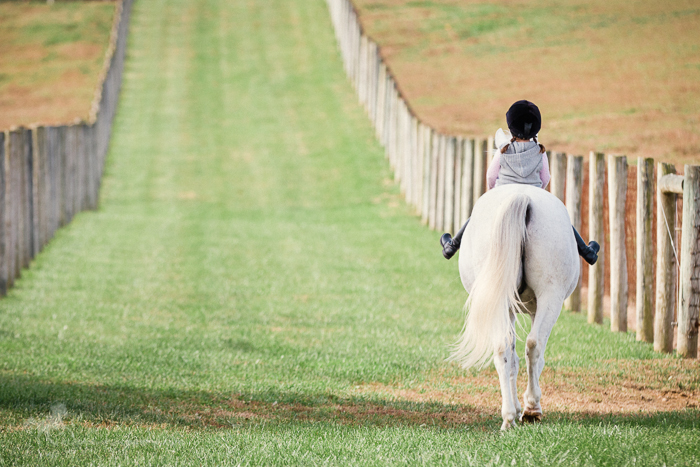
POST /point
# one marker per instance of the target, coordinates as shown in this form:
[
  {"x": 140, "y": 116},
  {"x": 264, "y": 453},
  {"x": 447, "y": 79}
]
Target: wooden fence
[
  {"x": 50, "y": 173},
  {"x": 442, "y": 176}
]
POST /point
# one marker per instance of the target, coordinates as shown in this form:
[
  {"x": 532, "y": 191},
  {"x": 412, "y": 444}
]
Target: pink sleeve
[
  {"x": 544, "y": 172},
  {"x": 494, "y": 168}
]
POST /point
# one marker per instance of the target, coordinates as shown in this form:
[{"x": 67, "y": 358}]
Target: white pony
[{"x": 518, "y": 255}]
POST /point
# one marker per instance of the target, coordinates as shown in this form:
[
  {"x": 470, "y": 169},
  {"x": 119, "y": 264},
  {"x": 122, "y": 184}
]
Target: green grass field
[{"x": 253, "y": 291}]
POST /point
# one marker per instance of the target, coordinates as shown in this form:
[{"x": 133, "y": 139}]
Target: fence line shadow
[{"x": 25, "y": 397}]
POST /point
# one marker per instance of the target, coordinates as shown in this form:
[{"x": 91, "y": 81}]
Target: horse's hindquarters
[
  {"x": 550, "y": 259},
  {"x": 547, "y": 262}
]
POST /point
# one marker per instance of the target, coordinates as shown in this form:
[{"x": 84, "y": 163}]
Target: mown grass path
[{"x": 252, "y": 289}]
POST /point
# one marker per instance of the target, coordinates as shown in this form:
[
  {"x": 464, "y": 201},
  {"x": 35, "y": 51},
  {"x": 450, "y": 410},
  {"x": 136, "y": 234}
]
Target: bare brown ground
[
  {"x": 619, "y": 388},
  {"x": 610, "y": 76},
  {"x": 50, "y": 60},
  {"x": 627, "y": 387}
]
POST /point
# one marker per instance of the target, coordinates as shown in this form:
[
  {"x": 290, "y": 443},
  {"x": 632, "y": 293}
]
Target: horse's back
[{"x": 549, "y": 257}]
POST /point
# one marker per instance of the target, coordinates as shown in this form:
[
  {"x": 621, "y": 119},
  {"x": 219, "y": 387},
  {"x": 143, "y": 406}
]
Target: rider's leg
[
  {"x": 588, "y": 252},
  {"x": 451, "y": 245}
]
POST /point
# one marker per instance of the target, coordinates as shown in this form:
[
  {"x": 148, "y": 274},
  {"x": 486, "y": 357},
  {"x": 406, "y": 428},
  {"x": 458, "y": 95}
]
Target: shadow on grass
[{"x": 23, "y": 397}]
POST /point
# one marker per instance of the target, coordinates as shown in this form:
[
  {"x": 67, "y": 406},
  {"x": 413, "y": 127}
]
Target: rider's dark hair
[{"x": 505, "y": 148}]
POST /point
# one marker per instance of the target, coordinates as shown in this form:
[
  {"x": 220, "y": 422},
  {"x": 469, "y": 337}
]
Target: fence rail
[
  {"x": 50, "y": 173},
  {"x": 442, "y": 176}
]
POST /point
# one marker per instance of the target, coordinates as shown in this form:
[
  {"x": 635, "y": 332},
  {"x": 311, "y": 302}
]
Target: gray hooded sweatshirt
[{"x": 521, "y": 163}]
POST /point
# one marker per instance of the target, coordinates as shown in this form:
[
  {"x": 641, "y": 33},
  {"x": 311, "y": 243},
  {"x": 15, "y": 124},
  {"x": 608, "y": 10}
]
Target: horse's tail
[{"x": 495, "y": 291}]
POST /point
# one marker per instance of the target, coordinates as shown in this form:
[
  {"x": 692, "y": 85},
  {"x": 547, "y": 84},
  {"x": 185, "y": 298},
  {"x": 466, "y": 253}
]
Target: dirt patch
[
  {"x": 628, "y": 386},
  {"x": 446, "y": 399},
  {"x": 80, "y": 50},
  {"x": 238, "y": 410}
]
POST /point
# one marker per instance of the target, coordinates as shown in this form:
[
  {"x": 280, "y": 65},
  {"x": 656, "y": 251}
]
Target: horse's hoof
[
  {"x": 507, "y": 425},
  {"x": 530, "y": 416}
]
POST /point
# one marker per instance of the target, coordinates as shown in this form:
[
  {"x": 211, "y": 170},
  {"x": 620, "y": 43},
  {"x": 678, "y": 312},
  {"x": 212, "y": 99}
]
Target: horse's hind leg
[
  {"x": 515, "y": 368},
  {"x": 542, "y": 324},
  {"x": 505, "y": 361}
]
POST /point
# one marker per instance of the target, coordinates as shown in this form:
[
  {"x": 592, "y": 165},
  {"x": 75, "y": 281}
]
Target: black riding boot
[
  {"x": 588, "y": 252},
  {"x": 451, "y": 245}
]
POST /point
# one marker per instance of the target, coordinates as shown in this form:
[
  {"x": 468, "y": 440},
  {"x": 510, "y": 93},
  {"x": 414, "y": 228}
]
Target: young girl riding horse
[{"x": 522, "y": 160}]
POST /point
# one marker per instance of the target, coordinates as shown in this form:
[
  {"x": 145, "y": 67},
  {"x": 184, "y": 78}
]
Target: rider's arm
[
  {"x": 544, "y": 172},
  {"x": 494, "y": 168}
]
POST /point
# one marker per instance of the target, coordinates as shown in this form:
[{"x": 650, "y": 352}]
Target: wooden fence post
[
  {"x": 398, "y": 156},
  {"x": 480, "y": 155},
  {"x": 644, "y": 249},
  {"x": 381, "y": 103},
  {"x": 371, "y": 78},
  {"x": 665, "y": 262},
  {"x": 38, "y": 186},
  {"x": 12, "y": 191},
  {"x": 362, "y": 78},
  {"x": 595, "y": 232},
  {"x": 689, "y": 306},
  {"x": 387, "y": 111},
  {"x": 434, "y": 156},
  {"x": 94, "y": 168},
  {"x": 417, "y": 182},
  {"x": 81, "y": 167},
  {"x": 71, "y": 171},
  {"x": 389, "y": 129},
  {"x": 617, "y": 194},
  {"x": 467, "y": 181},
  {"x": 47, "y": 182},
  {"x": 368, "y": 77},
  {"x": 574, "y": 192},
  {"x": 61, "y": 164},
  {"x": 459, "y": 160},
  {"x": 449, "y": 220},
  {"x": 22, "y": 199},
  {"x": 400, "y": 140},
  {"x": 426, "y": 131},
  {"x": 557, "y": 185},
  {"x": 407, "y": 152},
  {"x": 394, "y": 125},
  {"x": 388, "y": 102},
  {"x": 54, "y": 192},
  {"x": 14, "y": 201},
  {"x": 378, "y": 78},
  {"x": 356, "y": 47},
  {"x": 27, "y": 214},
  {"x": 440, "y": 202}
]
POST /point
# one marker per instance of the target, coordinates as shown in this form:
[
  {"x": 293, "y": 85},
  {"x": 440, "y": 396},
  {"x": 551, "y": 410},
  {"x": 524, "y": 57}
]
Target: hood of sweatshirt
[{"x": 522, "y": 158}]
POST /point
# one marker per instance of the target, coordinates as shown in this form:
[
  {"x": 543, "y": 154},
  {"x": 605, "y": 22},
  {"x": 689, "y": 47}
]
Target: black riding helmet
[{"x": 524, "y": 120}]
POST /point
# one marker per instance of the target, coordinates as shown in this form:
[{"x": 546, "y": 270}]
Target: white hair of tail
[{"x": 494, "y": 294}]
